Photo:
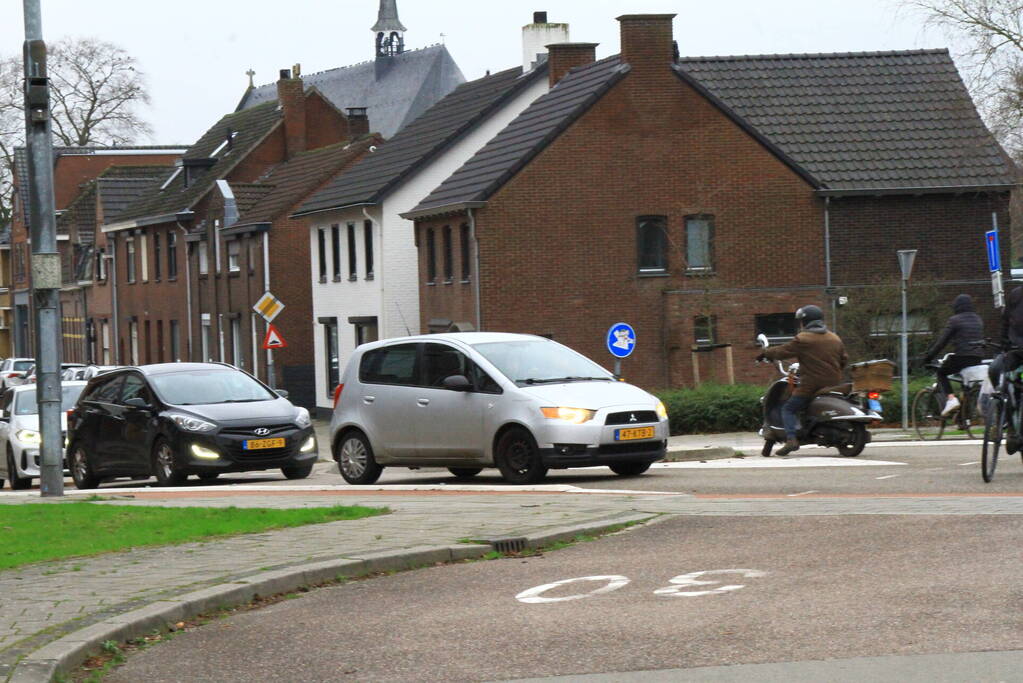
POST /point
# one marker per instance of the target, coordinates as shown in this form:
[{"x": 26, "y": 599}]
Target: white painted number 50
[
  {"x": 611, "y": 583},
  {"x": 692, "y": 579}
]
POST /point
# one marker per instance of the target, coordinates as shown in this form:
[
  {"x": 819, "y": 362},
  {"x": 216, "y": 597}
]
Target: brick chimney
[
  {"x": 564, "y": 56},
  {"x": 647, "y": 41},
  {"x": 291, "y": 97},
  {"x": 358, "y": 122}
]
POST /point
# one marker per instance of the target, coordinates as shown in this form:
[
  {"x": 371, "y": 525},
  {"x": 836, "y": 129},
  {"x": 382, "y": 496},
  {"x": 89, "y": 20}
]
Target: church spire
[{"x": 389, "y": 30}]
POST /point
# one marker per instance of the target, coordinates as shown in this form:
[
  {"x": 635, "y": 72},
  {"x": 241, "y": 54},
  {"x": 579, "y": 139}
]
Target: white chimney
[{"x": 539, "y": 34}]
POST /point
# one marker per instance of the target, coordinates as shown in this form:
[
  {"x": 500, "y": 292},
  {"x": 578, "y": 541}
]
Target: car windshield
[
  {"x": 537, "y": 361},
  {"x": 203, "y": 387},
  {"x": 26, "y": 402},
  {"x": 22, "y": 365}
]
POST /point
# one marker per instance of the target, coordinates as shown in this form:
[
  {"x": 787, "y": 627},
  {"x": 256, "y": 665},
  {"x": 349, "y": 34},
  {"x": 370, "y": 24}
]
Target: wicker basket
[{"x": 872, "y": 375}]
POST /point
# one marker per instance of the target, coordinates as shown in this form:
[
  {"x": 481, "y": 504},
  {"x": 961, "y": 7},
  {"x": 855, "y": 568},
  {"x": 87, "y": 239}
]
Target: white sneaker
[{"x": 950, "y": 406}]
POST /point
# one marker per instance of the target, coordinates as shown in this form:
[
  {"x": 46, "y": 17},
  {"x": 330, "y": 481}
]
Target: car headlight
[
  {"x": 661, "y": 410},
  {"x": 30, "y": 437},
  {"x": 192, "y": 424},
  {"x": 573, "y": 415},
  {"x": 302, "y": 418},
  {"x": 309, "y": 445}
]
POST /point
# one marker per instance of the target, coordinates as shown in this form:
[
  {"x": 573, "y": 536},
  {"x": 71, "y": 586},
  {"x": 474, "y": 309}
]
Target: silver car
[
  {"x": 19, "y": 431},
  {"x": 466, "y": 401}
]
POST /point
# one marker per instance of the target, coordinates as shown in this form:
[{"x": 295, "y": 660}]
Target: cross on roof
[{"x": 250, "y": 73}]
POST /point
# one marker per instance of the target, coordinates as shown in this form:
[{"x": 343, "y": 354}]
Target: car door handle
[
  {"x": 423, "y": 401},
  {"x": 368, "y": 399}
]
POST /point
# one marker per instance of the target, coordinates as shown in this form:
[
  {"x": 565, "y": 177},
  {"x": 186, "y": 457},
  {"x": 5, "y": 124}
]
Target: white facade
[{"x": 392, "y": 296}]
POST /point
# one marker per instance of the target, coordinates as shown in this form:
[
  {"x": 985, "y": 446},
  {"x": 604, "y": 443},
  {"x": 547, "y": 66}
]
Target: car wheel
[
  {"x": 163, "y": 465},
  {"x": 355, "y": 459},
  {"x": 17, "y": 483},
  {"x": 629, "y": 469},
  {"x": 81, "y": 471},
  {"x": 518, "y": 458},
  {"x": 465, "y": 472},
  {"x": 297, "y": 471},
  {"x": 208, "y": 476}
]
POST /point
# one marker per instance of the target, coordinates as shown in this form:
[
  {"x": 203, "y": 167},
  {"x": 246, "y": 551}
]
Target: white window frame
[
  {"x": 234, "y": 256},
  {"x": 144, "y": 256},
  {"x": 203, "y": 254}
]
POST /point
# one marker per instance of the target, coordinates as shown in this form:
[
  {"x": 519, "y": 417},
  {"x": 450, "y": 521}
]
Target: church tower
[{"x": 390, "y": 33}]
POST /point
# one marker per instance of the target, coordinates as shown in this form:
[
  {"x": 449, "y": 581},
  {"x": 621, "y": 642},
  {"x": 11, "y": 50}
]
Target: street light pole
[
  {"x": 906, "y": 259},
  {"x": 45, "y": 274}
]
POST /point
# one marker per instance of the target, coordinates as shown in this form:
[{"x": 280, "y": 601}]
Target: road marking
[
  {"x": 887, "y": 476},
  {"x": 804, "y": 493},
  {"x": 533, "y": 595},
  {"x": 760, "y": 462},
  {"x": 684, "y": 580},
  {"x": 973, "y": 462}
]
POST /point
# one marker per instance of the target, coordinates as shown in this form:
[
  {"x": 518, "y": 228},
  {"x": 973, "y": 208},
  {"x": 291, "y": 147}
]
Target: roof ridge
[
  {"x": 353, "y": 65},
  {"x": 816, "y": 55}
]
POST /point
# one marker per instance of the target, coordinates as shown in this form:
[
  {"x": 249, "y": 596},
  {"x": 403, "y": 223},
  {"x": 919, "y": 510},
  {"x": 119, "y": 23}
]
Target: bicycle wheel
[
  {"x": 926, "y": 415},
  {"x": 971, "y": 417},
  {"x": 992, "y": 438}
]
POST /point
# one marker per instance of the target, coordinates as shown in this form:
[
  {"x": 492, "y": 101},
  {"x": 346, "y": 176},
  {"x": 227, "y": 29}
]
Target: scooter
[{"x": 835, "y": 417}]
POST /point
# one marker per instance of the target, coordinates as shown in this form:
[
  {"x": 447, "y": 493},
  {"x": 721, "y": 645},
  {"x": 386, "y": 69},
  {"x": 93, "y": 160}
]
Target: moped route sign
[
  {"x": 621, "y": 340},
  {"x": 994, "y": 259}
]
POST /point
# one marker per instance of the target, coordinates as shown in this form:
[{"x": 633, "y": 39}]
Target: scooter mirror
[{"x": 762, "y": 340}]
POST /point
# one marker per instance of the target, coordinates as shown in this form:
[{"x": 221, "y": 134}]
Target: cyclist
[
  {"x": 1012, "y": 342},
  {"x": 963, "y": 330}
]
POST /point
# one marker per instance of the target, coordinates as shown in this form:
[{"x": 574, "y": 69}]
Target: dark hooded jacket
[
  {"x": 821, "y": 357},
  {"x": 1012, "y": 318},
  {"x": 961, "y": 330}
]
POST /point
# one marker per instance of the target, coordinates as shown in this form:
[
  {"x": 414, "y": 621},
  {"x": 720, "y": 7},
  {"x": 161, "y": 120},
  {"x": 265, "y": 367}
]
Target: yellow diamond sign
[{"x": 268, "y": 306}]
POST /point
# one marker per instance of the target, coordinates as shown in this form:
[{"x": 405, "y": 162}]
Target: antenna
[{"x": 403, "y": 322}]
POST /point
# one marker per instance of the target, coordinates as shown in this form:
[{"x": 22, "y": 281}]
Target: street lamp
[{"x": 906, "y": 259}]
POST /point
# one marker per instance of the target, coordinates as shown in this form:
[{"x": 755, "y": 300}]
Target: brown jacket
[{"x": 821, "y": 357}]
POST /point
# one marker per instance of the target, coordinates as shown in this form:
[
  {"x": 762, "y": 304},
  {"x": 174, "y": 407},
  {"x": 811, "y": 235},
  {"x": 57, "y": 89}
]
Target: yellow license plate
[
  {"x": 259, "y": 444},
  {"x": 634, "y": 433}
]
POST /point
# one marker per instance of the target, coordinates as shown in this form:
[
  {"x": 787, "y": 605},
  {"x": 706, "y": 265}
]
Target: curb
[
  {"x": 65, "y": 654},
  {"x": 697, "y": 454}
]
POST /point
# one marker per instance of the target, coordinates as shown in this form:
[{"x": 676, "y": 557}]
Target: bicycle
[
  {"x": 929, "y": 423},
  {"x": 1004, "y": 410}
]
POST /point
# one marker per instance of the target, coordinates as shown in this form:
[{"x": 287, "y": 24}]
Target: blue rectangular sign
[{"x": 994, "y": 259}]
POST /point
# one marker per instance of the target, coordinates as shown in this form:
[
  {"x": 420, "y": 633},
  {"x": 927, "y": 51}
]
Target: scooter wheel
[{"x": 766, "y": 450}]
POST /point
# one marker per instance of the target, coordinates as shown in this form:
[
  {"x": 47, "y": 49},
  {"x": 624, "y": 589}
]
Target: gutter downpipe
[
  {"x": 378, "y": 273},
  {"x": 827, "y": 263},
  {"x": 476, "y": 264},
  {"x": 188, "y": 288},
  {"x": 113, "y": 301}
]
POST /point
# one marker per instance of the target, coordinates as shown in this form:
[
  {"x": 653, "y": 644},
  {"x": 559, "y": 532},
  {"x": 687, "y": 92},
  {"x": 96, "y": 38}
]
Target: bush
[
  {"x": 713, "y": 408},
  {"x": 891, "y": 401}
]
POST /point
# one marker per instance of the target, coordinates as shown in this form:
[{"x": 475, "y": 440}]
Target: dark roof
[
  {"x": 295, "y": 180},
  {"x": 81, "y": 213},
  {"x": 248, "y": 127},
  {"x": 369, "y": 180},
  {"x": 524, "y": 137},
  {"x": 246, "y": 195},
  {"x": 121, "y": 186},
  {"x": 869, "y": 120},
  {"x": 394, "y": 92}
]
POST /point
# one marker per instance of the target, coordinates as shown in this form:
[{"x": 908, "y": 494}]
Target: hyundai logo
[
  {"x": 632, "y": 417},
  {"x": 262, "y": 431}
]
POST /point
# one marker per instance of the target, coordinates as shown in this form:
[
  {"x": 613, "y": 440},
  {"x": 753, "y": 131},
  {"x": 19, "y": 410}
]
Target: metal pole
[
  {"x": 46, "y": 277},
  {"x": 905, "y": 359}
]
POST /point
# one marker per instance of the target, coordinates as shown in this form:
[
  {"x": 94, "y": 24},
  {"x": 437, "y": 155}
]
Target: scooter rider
[
  {"x": 963, "y": 330},
  {"x": 821, "y": 357}
]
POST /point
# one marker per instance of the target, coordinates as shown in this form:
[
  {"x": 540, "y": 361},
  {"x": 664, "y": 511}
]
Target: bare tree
[
  {"x": 990, "y": 33},
  {"x": 96, "y": 90}
]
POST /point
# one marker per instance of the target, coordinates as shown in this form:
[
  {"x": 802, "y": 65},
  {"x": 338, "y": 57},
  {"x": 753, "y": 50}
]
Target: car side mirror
[
  {"x": 137, "y": 402},
  {"x": 283, "y": 393},
  {"x": 457, "y": 383},
  {"x": 762, "y": 340}
]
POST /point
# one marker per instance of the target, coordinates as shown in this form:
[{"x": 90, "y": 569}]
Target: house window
[
  {"x": 365, "y": 330},
  {"x": 147, "y": 340},
  {"x": 204, "y": 257},
  {"x": 206, "y": 338},
  {"x": 352, "y": 274},
  {"x": 705, "y": 330},
  {"x": 652, "y": 244},
  {"x": 133, "y": 337},
  {"x": 156, "y": 255},
  {"x": 159, "y": 340},
  {"x": 172, "y": 255},
  {"x": 890, "y": 324},
  {"x": 175, "y": 341},
  {"x": 331, "y": 362},
  {"x": 253, "y": 244},
  {"x": 144, "y": 255},
  {"x": 216, "y": 245},
  {"x": 367, "y": 239},
  {"x": 233, "y": 252},
  {"x": 431, "y": 257},
  {"x": 101, "y": 265},
  {"x": 700, "y": 243},
  {"x": 321, "y": 240},
  {"x": 335, "y": 250},
  {"x": 448, "y": 266},
  {"x": 107, "y": 359},
  {"x": 129, "y": 259},
  {"x": 466, "y": 264},
  {"x": 779, "y": 327}
]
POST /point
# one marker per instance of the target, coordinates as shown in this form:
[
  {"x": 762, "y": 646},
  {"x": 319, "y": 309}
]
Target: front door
[
  {"x": 134, "y": 441},
  {"x": 449, "y": 423},
  {"x": 389, "y": 378}
]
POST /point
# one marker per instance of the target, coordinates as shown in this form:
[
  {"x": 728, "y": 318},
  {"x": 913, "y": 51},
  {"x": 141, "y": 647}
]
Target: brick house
[{"x": 703, "y": 200}]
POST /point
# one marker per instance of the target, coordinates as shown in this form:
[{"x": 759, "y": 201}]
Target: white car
[
  {"x": 471, "y": 400},
  {"x": 13, "y": 371},
  {"x": 19, "y": 431}
]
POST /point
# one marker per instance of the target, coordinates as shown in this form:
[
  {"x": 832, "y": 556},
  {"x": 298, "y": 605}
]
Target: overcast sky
[{"x": 195, "y": 52}]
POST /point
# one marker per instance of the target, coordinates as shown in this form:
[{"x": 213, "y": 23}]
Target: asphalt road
[{"x": 812, "y": 588}]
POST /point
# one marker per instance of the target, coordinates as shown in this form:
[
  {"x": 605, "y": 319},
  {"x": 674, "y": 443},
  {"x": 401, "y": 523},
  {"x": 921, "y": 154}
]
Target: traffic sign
[
  {"x": 273, "y": 339},
  {"x": 621, "y": 340},
  {"x": 994, "y": 258},
  {"x": 269, "y": 307}
]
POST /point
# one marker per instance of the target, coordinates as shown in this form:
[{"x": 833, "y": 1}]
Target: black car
[{"x": 175, "y": 419}]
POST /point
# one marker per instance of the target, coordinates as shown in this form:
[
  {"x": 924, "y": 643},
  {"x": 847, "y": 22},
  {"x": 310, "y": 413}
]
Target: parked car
[
  {"x": 175, "y": 419},
  {"x": 12, "y": 371},
  {"x": 70, "y": 371},
  {"x": 87, "y": 372},
  {"x": 471, "y": 400},
  {"x": 19, "y": 431}
]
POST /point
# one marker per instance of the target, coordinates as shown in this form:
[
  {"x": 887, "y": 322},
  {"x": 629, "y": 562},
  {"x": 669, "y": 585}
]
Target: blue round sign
[{"x": 621, "y": 340}]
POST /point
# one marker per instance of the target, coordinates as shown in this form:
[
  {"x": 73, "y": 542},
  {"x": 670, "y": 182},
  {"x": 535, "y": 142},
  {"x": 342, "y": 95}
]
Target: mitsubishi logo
[
  {"x": 261, "y": 431},
  {"x": 632, "y": 417}
]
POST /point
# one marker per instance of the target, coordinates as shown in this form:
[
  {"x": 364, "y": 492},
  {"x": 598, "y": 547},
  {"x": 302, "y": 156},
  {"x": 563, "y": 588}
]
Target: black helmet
[{"x": 807, "y": 314}]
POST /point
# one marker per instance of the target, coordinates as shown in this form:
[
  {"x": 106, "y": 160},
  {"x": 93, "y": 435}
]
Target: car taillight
[
  {"x": 874, "y": 395},
  {"x": 337, "y": 394}
]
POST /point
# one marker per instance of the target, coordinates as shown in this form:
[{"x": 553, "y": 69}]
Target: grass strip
[{"x": 39, "y": 532}]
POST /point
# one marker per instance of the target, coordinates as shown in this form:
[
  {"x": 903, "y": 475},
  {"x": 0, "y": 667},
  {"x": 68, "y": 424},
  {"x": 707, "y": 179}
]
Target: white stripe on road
[
  {"x": 974, "y": 462},
  {"x": 804, "y": 493},
  {"x": 887, "y": 476},
  {"x": 761, "y": 462}
]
